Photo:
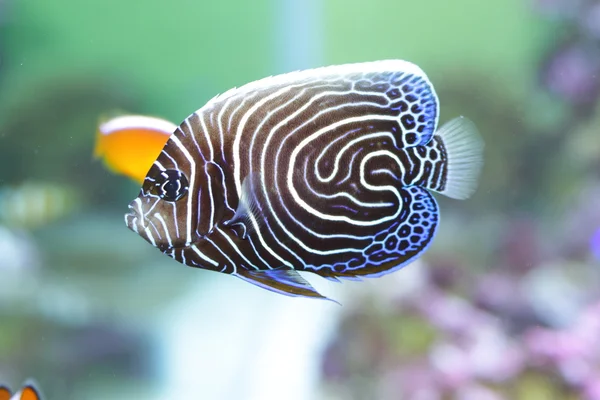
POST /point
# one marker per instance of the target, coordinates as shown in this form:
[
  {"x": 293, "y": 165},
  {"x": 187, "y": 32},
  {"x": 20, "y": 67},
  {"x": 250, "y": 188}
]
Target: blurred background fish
[
  {"x": 129, "y": 144},
  {"x": 29, "y": 391},
  {"x": 5, "y": 393}
]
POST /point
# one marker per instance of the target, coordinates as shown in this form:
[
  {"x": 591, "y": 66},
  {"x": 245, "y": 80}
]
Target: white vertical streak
[{"x": 299, "y": 34}]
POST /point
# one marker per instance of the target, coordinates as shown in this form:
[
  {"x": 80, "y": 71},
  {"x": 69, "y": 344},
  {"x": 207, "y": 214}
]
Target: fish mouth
[
  {"x": 137, "y": 222},
  {"x": 133, "y": 220}
]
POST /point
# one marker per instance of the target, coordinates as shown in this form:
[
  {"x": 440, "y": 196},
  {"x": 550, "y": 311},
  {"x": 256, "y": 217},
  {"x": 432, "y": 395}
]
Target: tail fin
[{"x": 464, "y": 154}]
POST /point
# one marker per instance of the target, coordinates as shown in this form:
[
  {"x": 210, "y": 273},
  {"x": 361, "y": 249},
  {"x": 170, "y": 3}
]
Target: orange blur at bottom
[
  {"x": 29, "y": 393},
  {"x": 4, "y": 393}
]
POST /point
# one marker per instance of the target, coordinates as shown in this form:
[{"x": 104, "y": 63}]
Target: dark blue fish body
[{"x": 327, "y": 170}]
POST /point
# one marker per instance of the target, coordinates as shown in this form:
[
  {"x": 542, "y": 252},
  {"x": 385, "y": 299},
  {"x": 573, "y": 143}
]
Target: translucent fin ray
[{"x": 464, "y": 149}]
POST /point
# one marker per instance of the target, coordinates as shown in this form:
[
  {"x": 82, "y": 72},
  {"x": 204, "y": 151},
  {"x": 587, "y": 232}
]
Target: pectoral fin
[
  {"x": 249, "y": 212},
  {"x": 282, "y": 281}
]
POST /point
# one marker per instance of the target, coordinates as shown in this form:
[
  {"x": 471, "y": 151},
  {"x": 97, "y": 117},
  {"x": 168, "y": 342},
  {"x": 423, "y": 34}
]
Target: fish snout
[
  {"x": 134, "y": 219},
  {"x": 140, "y": 223}
]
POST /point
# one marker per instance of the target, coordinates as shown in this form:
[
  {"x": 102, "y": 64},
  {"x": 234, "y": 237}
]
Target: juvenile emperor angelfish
[{"x": 328, "y": 170}]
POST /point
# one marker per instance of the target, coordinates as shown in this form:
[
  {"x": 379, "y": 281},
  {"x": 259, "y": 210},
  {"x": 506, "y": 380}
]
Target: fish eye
[{"x": 170, "y": 185}]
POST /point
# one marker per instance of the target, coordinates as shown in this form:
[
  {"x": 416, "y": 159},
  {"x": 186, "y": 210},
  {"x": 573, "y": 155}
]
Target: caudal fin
[{"x": 464, "y": 152}]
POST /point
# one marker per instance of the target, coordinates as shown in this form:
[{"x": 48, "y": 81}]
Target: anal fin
[{"x": 283, "y": 281}]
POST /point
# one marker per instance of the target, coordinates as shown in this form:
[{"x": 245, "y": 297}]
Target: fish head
[{"x": 163, "y": 212}]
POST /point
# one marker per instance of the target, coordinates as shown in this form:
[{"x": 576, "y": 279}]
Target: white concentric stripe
[
  {"x": 299, "y": 242},
  {"x": 385, "y": 66},
  {"x": 211, "y": 221},
  {"x": 235, "y": 247},
  {"x": 193, "y": 135},
  {"x": 266, "y": 246},
  {"x": 241, "y": 105},
  {"x": 207, "y": 136},
  {"x": 258, "y": 130},
  {"x": 192, "y": 187},
  {"x": 237, "y": 166},
  {"x": 311, "y": 120},
  {"x": 252, "y": 110},
  {"x": 204, "y": 256},
  {"x": 363, "y": 181},
  {"x": 340, "y": 194},
  {"x": 319, "y": 114},
  {"x": 305, "y": 86},
  {"x": 240, "y": 130},
  {"x": 295, "y": 114},
  {"x": 224, "y": 108},
  {"x": 386, "y": 172},
  {"x": 300, "y": 224},
  {"x": 340, "y": 153},
  {"x": 249, "y": 238},
  {"x": 234, "y": 265},
  {"x": 263, "y": 158},
  {"x": 224, "y": 185},
  {"x": 292, "y": 163},
  {"x": 350, "y": 166}
]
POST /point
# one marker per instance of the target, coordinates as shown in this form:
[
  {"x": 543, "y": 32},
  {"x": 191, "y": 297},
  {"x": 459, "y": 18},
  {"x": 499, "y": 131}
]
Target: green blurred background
[{"x": 90, "y": 311}]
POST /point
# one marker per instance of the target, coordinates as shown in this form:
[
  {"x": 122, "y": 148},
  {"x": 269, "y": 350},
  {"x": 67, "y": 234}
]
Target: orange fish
[
  {"x": 27, "y": 392},
  {"x": 129, "y": 144},
  {"x": 5, "y": 394}
]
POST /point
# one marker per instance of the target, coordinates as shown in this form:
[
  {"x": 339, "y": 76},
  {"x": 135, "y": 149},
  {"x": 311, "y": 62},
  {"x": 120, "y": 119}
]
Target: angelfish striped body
[{"x": 326, "y": 170}]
